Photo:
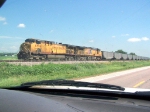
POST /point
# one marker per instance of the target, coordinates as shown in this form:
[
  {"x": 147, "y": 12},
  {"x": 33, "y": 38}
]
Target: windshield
[
  {"x": 30, "y": 40},
  {"x": 98, "y": 41}
]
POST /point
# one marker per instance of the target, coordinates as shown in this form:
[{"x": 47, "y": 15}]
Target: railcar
[
  {"x": 117, "y": 56},
  {"x": 107, "y": 55},
  {"x": 124, "y": 56},
  {"x": 129, "y": 57}
]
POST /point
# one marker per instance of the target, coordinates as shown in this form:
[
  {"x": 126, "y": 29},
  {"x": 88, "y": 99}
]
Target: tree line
[
  {"x": 123, "y": 52},
  {"x": 8, "y": 54}
]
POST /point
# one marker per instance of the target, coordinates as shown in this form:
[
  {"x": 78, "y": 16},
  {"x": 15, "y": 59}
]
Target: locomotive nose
[
  {"x": 24, "y": 51},
  {"x": 25, "y": 47}
]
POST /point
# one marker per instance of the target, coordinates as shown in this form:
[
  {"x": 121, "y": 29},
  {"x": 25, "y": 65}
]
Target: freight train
[{"x": 49, "y": 50}]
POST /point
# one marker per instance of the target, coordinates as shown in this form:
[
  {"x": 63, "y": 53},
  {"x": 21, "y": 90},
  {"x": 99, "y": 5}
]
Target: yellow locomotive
[{"x": 41, "y": 49}]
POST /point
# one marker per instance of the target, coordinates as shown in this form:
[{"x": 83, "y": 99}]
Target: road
[
  {"x": 136, "y": 78},
  {"x": 140, "y": 79}
]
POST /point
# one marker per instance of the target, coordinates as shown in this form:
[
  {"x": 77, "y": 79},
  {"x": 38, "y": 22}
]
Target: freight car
[
  {"x": 50, "y": 50},
  {"x": 118, "y": 56},
  {"x": 41, "y": 49}
]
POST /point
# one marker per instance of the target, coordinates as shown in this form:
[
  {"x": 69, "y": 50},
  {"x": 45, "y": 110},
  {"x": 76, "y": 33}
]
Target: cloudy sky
[{"x": 106, "y": 24}]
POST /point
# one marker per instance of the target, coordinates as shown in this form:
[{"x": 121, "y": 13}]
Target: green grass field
[
  {"x": 13, "y": 75},
  {"x": 8, "y": 58}
]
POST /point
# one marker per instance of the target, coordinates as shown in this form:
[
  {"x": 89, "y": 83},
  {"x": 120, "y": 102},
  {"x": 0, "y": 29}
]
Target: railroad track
[
  {"x": 37, "y": 62},
  {"x": 60, "y": 60},
  {"x": 28, "y": 60}
]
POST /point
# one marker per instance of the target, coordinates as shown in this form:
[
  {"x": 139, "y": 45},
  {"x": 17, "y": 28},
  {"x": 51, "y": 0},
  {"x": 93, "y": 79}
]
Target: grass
[
  {"x": 13, "y": 75},
  {"x": 8, "y": 58}
]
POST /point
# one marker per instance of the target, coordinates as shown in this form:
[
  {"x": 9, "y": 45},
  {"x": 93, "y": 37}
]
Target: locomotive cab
[{"x": 27, "y": 48}]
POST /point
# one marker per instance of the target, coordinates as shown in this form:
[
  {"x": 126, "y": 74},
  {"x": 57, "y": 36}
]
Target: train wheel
[
  {"x": 79, "y": 58},
  {"x": 98, "y": 58},
  {"x": 66, "y": 58}
]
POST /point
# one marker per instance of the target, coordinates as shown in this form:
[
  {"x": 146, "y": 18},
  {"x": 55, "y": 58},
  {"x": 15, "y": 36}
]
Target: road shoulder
[{"x": 111, "y": 75}]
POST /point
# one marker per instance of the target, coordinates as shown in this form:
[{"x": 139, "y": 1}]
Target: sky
[{"x": 105, "y": 24}]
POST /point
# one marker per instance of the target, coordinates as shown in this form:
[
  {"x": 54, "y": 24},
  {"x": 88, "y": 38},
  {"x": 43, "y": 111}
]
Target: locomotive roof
[
  {"x": 31, "y": 39},
  {"x": 68, "y": 45},
  {"x": 47, "y": 41},
  {"x": 40, "y": 40}
]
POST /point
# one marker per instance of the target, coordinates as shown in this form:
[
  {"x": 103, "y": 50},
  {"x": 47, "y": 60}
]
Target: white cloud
[
  {"x": 145, "y": 38},
  {"x": 3, "y": 49},
  {"x": 134, "y": 39},
  {"x": 51, "y": 31},
  {"x": 13, "y": 47},
  {"x": 21, "y": 25},
  {"x": 91, "y": 41},
  {"x": 113, "y": 36},
  {"x": 5, "y": 23},
  {"x": 2, "y": 18},
  {"x": 138, "y": 39},
  {"x": 6, "y": 37},
  {"x": 124, "y": 35},
  {"x": 9, "y": 49}
]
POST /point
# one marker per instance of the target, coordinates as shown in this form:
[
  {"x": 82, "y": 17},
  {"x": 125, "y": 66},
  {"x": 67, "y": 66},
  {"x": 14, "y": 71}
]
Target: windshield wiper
[
  {"x": 72, "y": 83},
  {"x": 75, "y": 87}
]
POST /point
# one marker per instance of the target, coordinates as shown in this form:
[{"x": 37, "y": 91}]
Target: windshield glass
[
  {"x": 98, "y": 41},
  {"x": 30, "y": 40}
]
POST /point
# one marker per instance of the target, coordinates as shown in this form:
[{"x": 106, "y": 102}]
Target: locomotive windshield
[{"x": 30, "y": 40}]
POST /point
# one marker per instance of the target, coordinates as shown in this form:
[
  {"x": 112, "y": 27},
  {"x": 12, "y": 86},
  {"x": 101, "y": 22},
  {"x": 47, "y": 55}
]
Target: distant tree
[
  {"x": 121, "y": 51},
  {"x": 132, "y": 53},
  {"x": 8, "y": 54}
]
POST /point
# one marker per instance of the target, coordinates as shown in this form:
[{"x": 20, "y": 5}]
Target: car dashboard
[{"x": 55, "y": 101}]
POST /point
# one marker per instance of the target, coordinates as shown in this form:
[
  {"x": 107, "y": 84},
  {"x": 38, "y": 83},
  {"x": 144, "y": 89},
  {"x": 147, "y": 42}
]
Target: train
[{"x": 35, "y": 49}]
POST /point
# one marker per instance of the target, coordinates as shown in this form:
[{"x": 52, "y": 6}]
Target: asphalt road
[
  {"x": 140, "y": 79},
  {"x": 136, "y": 78}
]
